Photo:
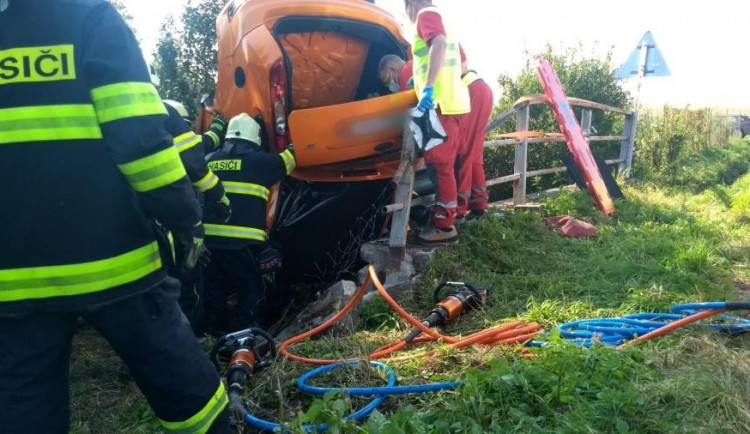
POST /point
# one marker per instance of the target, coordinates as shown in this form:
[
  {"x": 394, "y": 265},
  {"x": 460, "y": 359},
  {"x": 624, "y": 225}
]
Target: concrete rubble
[
  {"x": 400, "y": 284},
  {"x": 328, "y": 303}
]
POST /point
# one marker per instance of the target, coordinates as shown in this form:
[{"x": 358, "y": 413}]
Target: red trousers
[
  {"x": 471, "y": 181},
  {"x": 441, "y": 162}
]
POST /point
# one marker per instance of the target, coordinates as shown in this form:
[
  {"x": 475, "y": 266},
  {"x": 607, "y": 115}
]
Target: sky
[{"x": 705, "y": 43}]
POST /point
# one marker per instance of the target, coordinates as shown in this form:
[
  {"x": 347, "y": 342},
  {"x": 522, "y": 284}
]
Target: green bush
[{"x": 682, "y": 146}]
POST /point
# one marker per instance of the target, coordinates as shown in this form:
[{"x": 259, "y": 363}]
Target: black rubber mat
[{"x": 614, "y": 190}]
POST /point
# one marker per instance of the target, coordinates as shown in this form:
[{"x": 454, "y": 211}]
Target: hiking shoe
[
  {"x": 433, "y": 236},
  {"x": 474, "y": 216}
]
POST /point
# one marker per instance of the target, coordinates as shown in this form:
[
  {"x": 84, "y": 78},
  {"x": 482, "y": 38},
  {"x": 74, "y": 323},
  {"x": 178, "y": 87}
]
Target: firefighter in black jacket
[
  {"x": 85, "y": 163},
  {"x": 237, "y": 246},
  {"x": 191, "y": 149},
  {"x": 211, "y": 139}
]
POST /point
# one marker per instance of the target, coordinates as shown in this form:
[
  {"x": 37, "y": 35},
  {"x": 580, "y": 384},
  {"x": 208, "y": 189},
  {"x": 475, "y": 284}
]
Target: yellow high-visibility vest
[{"x": 450, "y": 93}]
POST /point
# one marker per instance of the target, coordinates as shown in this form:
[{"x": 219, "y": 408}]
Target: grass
[{"x": 666, "y": 246}]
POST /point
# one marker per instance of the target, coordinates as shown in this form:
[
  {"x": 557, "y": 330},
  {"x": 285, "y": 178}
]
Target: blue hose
[
  {"x": 617, "y": 331},
  {"x": 380, "y": 393},
  {"x": 736, "y": 324}
]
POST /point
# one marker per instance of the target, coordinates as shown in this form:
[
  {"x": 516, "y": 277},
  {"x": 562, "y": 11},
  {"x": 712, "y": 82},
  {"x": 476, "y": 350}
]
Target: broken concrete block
[
  {"x": 402, "y": 272},
  {"x": 375, "y": 253},
  {"x": 378, "y": 254},
  {"x": 328, "y": 304},
  {"x": 422, "y": 258},
  {"x": 362, "y": 275}
]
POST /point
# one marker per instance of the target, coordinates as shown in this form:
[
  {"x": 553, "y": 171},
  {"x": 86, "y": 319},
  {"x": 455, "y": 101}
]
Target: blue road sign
[{"x": 652, "y": 65}]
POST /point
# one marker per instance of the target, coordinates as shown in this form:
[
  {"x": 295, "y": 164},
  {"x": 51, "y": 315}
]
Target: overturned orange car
[{"x": 308, "y": 70}]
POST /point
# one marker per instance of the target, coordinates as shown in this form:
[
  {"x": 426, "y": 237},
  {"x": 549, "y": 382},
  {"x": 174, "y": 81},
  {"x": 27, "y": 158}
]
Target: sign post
[{"x": 645, "y": 61}]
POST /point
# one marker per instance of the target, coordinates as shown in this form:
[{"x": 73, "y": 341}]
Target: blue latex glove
[{"x": 426, "y": 102}]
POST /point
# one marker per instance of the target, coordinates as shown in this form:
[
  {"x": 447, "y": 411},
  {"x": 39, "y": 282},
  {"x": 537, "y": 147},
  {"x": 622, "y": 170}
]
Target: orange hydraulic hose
[
  {"x": 506, "y": 334},
  {"x": 327, "y": 324},
  {"x": 661, "y": 331}
]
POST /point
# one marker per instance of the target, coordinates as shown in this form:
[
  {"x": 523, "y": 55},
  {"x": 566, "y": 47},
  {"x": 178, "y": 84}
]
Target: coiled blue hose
[
  {"x": 380, "y": 393},
  {"x": 617, "y": 331}
]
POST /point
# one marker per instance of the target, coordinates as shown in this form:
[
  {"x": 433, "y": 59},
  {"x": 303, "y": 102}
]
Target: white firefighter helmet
[
  {"x": 244, "y": 127},
  {"x": 179, "y": 107}
]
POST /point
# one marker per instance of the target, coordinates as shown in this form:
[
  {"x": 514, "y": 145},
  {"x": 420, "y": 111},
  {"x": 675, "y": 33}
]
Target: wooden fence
[{"x": 521, "y": 110}]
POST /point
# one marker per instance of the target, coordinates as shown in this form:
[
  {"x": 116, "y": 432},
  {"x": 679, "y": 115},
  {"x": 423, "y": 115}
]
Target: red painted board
[{"x": 577, "y": 143}]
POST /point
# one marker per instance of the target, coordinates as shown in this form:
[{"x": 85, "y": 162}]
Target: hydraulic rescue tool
[
  {"x": 242, "y": 353},
  {"x": 464, "y": 297}
]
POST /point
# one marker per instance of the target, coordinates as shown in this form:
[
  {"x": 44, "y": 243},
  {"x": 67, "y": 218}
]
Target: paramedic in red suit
[
  {"x": 470, "y": 177},
  {"x": 437, "y": 82}
]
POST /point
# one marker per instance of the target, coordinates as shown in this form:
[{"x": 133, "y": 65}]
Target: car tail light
[{"x": 278, "y": 104}]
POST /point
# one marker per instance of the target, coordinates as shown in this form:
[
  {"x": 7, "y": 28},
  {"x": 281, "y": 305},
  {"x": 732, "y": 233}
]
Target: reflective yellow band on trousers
[
  {"x": 186, "y": 141},
  {"x": 78, "y": 279},
  {"x": 154, "y": 171},
  {"x": 229, "y": 231},
  {"x": 126, "y": 100},
  {"x": 246, "y": 188},
  {"x": 49, "y": 123},
  {"x": 201, "y": 422}
]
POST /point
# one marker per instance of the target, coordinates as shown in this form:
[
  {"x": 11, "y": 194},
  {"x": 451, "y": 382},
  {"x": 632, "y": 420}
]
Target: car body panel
[{"x": 351, "y": 130}]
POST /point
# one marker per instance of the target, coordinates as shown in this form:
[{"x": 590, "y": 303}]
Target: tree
[
  {"x": 172, "y": 83},
  {"x": 198, "y": 44},
  {"x": 186, "y": 60}
]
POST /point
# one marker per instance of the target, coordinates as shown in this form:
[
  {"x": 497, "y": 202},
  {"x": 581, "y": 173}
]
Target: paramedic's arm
[{"x": 438, "y": 46}]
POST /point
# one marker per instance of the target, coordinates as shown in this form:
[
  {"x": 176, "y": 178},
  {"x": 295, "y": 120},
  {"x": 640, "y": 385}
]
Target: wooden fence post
[
  {"x": 627, "y": 145},
  {"x": 520, "y": 163},
  {"x": 404, "y": 181},
  {"x": 586, "y": 121}
]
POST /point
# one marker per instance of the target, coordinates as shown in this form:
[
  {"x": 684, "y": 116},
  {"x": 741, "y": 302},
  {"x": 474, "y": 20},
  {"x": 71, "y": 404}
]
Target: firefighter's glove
[
  {"x": 224, "y": 209},
  {"x": 205, "y": 258},
  {"x": 192, "y": 244},
  {"x": 217, "y": 208},
  {"x": 426, "y": 102},
  {"x": 269, "y": 259},
  {"x": 219, "y": 125}
]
